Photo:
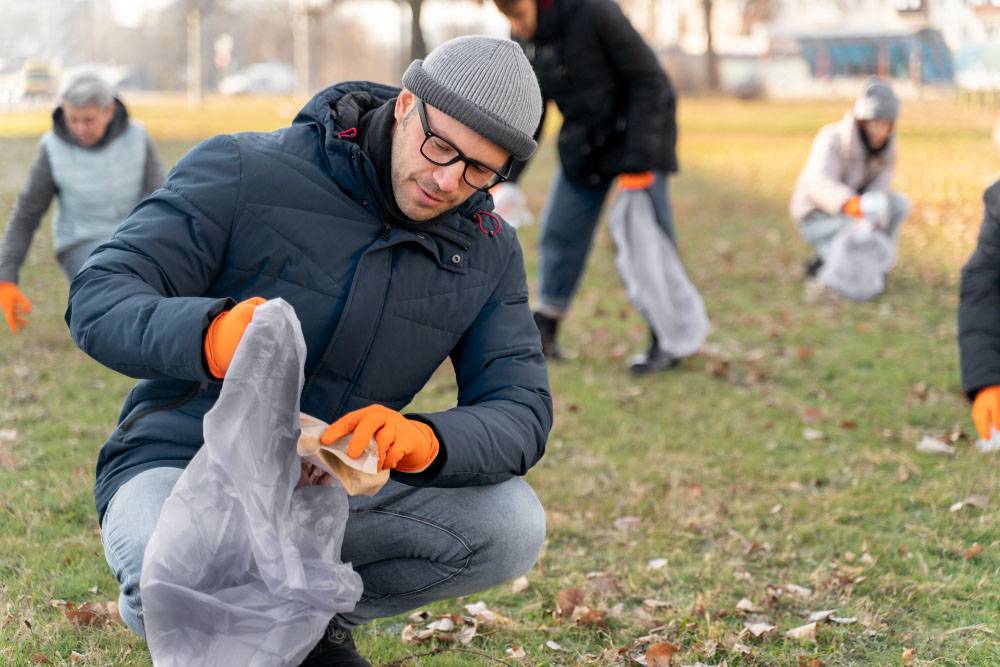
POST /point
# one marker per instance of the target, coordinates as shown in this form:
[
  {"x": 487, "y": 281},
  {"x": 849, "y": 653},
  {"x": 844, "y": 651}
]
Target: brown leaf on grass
[
  {"x": 516, "y": 652},
  {"x": 585, "y": 617},
  {"x": 760, "y": 629},
  {"x": 747, "y": 605},
  {"x": 519, "y": 585},
  {"x": 8, "y": 435},
  {"x": 805, "y": 661},
  {"x": 717, "y": 368},
  {"x": 659, "y": 654},
  {"x": 931, "y": 445},
  {"x": 920, "y": 391},
  {"x": 812, "y": 415},
  {"x": 909, "y": 655},
  {"x": 567, "y": 600},
  {"x": 604, "y": 583},
  {"x": 971, "y": 501},
  {"x": 804, "y": 354},
  {"x": 627, "y": 523},
  {"x": 89, "y": 613},
  {"x": 40, "y": 659},
  {"x": 7, "y": 460},
  {"x": 848, "y": 424},
  {"x": 799, "y": 591},
  {"x": 803, "y": 633},
  {"x": 76, "y": 657},
  {"x": 973, "y": 551}
]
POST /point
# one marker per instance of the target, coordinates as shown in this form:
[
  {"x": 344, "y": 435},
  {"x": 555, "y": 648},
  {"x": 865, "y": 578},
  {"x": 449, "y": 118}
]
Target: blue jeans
[
  {"x": 411, "y": 546},
  {"x": 71, "y": 259},
  {"x": 819, "y": 228},
  {"x": 568, "y": 225}
]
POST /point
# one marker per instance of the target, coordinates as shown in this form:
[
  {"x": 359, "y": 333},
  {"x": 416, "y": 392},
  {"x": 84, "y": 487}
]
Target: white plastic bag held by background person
[
  {"x": 242, "y": 570},
  {"x": 859, "y": 257},
  {"x": 510, "y": 204},
  {"x": 654, "y": 276}
]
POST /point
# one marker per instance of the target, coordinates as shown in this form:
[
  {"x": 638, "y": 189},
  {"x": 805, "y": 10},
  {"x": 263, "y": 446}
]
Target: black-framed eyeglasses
[{"x": 441, "y": 152}]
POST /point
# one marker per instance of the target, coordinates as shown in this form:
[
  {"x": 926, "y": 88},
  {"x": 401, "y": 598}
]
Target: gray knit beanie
[
  {"x": 486, "y": 84},
  {"x": 877, "y": 101}
]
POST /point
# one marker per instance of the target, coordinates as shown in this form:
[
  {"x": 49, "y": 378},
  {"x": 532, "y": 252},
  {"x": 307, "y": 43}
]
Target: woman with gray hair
[{"x": 99, "y": 164}]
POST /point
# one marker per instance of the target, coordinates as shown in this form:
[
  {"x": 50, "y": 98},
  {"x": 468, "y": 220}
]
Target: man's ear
[{"x": 404, "y": 104}]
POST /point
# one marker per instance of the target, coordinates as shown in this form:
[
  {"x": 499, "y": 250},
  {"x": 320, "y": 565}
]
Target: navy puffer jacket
[{"x": 296, "y": 214}]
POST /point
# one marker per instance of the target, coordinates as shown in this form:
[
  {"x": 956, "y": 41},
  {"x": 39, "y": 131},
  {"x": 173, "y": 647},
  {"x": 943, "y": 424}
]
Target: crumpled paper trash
[
  {"x": 359, "y": 477},
  {"x": 243, "y": 568}
]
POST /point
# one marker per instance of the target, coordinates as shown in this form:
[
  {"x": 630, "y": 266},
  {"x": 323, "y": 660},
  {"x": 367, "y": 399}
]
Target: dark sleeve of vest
[
  {"x": 138, "y": 305},
  {"x": 979, "y": 304},
  {"x": 29, "y": 209},
  {"x": 650, "y": 123},
  {"x": 504, "y": 412},
  {"x": 520, "y": 165},
  {"x": 152, "y": 177}
]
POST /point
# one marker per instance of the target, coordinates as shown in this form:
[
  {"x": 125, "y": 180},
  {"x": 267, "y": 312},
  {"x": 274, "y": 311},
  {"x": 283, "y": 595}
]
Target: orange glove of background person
[
  {"x": 852, "y": 207},
  {"x": 224, "y": 334},
  {"x": 639, "y": 181},
  {"x": 986, "y": 411},
  {"x": 15, "y": 305},
  {"x": 404, "y": 444}
]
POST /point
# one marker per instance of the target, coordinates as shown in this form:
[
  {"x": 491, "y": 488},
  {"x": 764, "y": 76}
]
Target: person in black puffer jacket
[
  {"x": 369, "y": 216},
  {"x": 619, "y": 118}
]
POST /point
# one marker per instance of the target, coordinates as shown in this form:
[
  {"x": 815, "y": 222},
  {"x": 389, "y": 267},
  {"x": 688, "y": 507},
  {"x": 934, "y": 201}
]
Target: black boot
[
  {"x": 335, "y": 649},
  {"x": 812, "y": 266},
  {"x": 652, "y": 360},
  {"x": 547, "y": 327}
]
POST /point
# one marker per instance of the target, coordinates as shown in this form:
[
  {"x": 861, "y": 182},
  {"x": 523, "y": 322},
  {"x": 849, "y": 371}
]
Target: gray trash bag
[
  {"x": 243, "y": 569},
  {"x": 859, "y": 257},
  {"x": 654, "y": 277}
]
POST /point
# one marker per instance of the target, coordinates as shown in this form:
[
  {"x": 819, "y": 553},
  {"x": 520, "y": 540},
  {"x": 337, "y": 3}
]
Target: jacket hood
[
  {"x": 336, "y": 111},
  {"x": 118, "y": 125}
]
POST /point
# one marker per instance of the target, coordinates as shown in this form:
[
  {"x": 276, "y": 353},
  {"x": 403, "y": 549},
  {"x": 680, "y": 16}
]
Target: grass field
[{"x": 784, "y": 455}]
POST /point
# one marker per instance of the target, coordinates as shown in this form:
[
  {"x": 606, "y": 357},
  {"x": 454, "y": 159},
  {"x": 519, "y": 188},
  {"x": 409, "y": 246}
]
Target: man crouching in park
[{"x": 370, "y": 216}]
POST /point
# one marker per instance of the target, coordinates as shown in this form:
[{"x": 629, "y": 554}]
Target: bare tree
[
  {"x": 711, "y": 59},
  {"x": 418, "y": 46}
]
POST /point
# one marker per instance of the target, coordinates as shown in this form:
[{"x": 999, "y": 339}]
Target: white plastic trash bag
[
  {"x": 241, "y": 569},
  {"x": 510, "y": 204},
  {"x": 654, "y": 276},
  {"x": 859, "y": 257}
]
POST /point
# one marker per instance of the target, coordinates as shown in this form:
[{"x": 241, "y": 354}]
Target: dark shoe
[
  {"x": 335, "y": 649},
  {"x": 813, "y": 265},
  {"x": 547, "y": 327},
  {"x": 652, "y": 360}
]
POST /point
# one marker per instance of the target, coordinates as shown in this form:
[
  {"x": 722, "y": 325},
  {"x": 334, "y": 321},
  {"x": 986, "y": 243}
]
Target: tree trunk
[
  {"x": 711, "y": 61},
  {"x": 418, "y": 47},
  {"x": 194, "y": 92}
]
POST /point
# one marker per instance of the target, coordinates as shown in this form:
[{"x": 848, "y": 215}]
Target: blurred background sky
[{"x": 778, "y": 48}]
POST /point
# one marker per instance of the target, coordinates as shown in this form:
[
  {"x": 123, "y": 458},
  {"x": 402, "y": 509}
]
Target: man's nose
[{"x": 449, "y": 178}]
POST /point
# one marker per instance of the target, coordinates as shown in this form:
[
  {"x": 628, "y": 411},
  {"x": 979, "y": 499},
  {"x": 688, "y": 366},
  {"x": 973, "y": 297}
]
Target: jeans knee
[{"x": 510, "y": 548}]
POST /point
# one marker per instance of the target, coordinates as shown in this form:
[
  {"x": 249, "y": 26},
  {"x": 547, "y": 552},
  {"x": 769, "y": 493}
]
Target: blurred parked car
[
  {"x": 37, "y": 80},
  {"x": 273, "y": 78}
]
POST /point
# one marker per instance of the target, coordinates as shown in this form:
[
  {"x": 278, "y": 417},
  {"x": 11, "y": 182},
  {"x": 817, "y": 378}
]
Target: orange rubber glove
[
  {"x": 639, "y": 181},
  {"x": 224, "y": 334},
  {"x": 986, "y": 411},
  {"x": 852, "y": 207},
  {"x": 15, "y": 306},
  {"x": 404, "y": 444}
]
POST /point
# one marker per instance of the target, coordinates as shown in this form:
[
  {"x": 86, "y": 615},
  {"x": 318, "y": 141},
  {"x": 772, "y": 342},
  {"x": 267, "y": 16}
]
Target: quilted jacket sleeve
[
  {"x": 504, "y": 412},
  {"x": 137, "y": 305},
  {"x": 979, "y": 305}
]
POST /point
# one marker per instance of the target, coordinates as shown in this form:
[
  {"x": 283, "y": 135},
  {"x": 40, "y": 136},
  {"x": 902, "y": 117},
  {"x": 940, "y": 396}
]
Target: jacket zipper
[{"x": 172, "y": 405}]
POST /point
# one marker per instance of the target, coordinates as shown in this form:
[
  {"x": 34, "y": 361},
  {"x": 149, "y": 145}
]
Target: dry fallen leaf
[
  {"x": 843, "y": 620},
  {"x": 657, "y": 563},
  {"x": 973, "y": 551},
  {"x": 739, "y": 647},
  {"x": 567, "y": 600},
  {"x": 800, "y": 591},
  {"x": 920, "y": 391},
  {"x": 760, "y": 629},
  {"x": 810, "y": 662},
  {"x": 604, "y": 583},
  {"x": 89, "y": 613},
  {"x": 553, "y": 645},
  {"x": 659, "y": 654},
  {"x": 909, "y": 654},
  {"x": 40, "y": 659},
  {"x": 803, "y": 633},
  {"x": 812, "y": 435},
  {"x": 8, "y": 435},
  {"x": 7, "y": 460},
  {"x": 76, "y": 657},
  {"x": 820, "y": 616},
  {"x": 654, "y": 604},
  {"x": 931, "y": 445},
  {"x": 519, "y": 585},
  {"x": 812, "y": 415},
  {"x": 972, "y": 501},
  {"x": 516, "y": 652},
  {"x": 586, "y": 617},
  {"x": 748, "y": 606},
  {"x": 627, "y": 523}
]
